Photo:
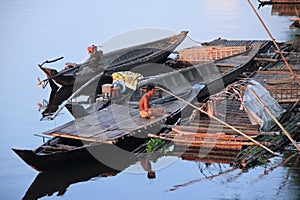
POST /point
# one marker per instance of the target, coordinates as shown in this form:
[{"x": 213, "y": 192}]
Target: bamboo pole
[
  {"x": 276, "y": 121},
  {"x": 288, "y": 100},
  {"x": 176, "y": 187},
  {"x": 76, "y": 137},
  {"x": 217, "y": 119},
  {"x": 196, "y": 130},
  {"x": 265, "y": 59},
  {"x": 280, "y": 164},
  {"x": 276, "y": 45},
  {"x": 200, "y": 143}
]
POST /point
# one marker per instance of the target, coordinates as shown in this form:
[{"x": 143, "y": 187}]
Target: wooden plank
[
  {"x": 266, "y": 59},
  {"x": 218, "y": 125},
  {"x": 193, "y": 130},
  {"x": 288, "y": 100},
  {"x": 81, "y": 138},
  {"x": 271, "y": 72},
  {"x": 230, "y": 65},
  {"x": 206, "y": 143},
  {"x": 204, "y": 136}
]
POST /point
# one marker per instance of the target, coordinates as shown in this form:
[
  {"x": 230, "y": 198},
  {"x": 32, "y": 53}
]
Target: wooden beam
[
  {"x": 210, "y": 131},
  {"x": 213, "y": 124},
  {"x": 274, "y": 72},
  {"x": 197, "y": 143},
  {"x": 230, "y": 65},
  {"x": 281, "y": 81},
  {"x": 203, "y": 136},
  {"x": 265, "y": 59},
  {"x": 76, "y": 137},
  {"x": 288, "y": 100}
]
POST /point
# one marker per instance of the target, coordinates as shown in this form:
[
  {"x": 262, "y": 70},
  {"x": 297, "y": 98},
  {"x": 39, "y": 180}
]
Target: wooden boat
[
  {"x": 106, "y": 131},
  {"x": 122, "y": 59},
  {"x": 119, "y": 125},
  {"x": 74, "y": 76}
]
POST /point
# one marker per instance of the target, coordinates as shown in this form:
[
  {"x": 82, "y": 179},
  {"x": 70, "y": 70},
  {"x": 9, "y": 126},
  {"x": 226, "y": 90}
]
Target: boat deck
[{"x": 116, "y": 121}]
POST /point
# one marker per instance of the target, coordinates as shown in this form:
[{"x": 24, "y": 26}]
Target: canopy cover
[{"x": 255, "y": 111}]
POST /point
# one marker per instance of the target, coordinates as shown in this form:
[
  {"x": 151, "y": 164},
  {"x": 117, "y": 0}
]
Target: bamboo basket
[{"x": 196, "y": 55}]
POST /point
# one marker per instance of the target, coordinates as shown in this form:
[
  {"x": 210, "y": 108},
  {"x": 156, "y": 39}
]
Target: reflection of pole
[
  {"x": 217, "y": 119},
  {"x": 277, "y": 47},
  {"x": 286, "y": 160},
  {"x": 276, "y": 121}
]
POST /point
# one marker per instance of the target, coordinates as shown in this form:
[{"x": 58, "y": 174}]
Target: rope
[{"x": 193, "y": 40}]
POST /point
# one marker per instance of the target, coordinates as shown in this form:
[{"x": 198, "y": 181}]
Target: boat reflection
[
  {"x": 286, "y": 9},
  {"x": 56, "y": 182}
]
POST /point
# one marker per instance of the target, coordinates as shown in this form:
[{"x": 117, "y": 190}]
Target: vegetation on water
[
  {"x": 154, "y": 144},
  {"x": 255, "y": 154}
]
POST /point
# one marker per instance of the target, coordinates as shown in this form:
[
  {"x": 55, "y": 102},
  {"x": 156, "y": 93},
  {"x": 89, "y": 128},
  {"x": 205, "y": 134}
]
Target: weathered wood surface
[{"x": 117, "y": 121}]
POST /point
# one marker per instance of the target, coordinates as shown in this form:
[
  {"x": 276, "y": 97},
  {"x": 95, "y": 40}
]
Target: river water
[{"x": 33, "y": 31}]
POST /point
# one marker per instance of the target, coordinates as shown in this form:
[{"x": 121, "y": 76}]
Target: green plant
[{"x": 154, "y": 144}]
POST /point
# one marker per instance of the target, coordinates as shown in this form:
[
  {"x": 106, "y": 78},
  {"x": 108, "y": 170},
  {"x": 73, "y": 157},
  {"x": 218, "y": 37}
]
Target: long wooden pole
[
  {"x": 203, "y": 142},
  {"x": 217, "y": 119},
  {"x": 274, "y": 118},
  {"x": 276, "y": 45},
  {"x": 76, "y": 137}
]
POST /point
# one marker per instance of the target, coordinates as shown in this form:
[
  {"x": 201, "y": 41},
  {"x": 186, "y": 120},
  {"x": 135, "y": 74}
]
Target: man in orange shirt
[
  {"x": 95, "y": 55},
  {"x": 145, "y": 110}
]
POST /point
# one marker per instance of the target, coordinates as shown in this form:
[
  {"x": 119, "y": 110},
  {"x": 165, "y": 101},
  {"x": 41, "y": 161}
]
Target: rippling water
[{"x": 33, "y": 31}]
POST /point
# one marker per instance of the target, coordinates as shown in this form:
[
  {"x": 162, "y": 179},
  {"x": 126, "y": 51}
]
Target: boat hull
[
  {"x": 110, "y": 154},
  {"x": 53, "y": 160}
]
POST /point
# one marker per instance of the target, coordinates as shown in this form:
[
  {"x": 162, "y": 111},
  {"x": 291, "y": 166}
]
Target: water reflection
[
  {"x": 291, "y": 178},
  {"x": 57, "y": 181}
]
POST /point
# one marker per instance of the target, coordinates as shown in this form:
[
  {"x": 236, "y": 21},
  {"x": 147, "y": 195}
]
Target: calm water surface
[{"x": 33, "y": 31}]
